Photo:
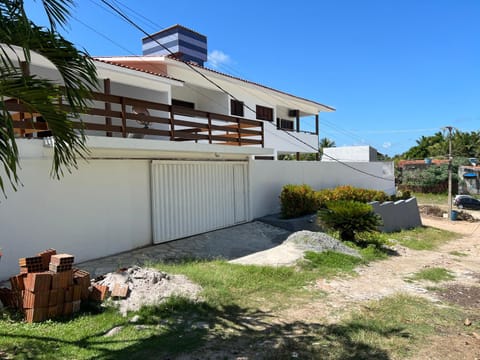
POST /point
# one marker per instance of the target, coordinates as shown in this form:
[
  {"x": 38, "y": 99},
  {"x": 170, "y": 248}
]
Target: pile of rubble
[
  {"x": 133, "y": 287},
  {"x": 48, "y": 287}
]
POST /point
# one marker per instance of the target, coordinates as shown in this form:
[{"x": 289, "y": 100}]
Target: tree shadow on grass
[{"x": 182, "y": 327}]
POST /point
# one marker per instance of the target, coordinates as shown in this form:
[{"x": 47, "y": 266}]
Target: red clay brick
[
  {"x": 82, "y": 278},
  {"x": 69, "y": 294},
  {"x": 52, "y": 311},
  {"x": 99, "y": 292},
  {"x": 34, "y": 300},
  {"x": 76, "y": 306},
  {"x": 62, "y": 259},
  {"x": 77, "y": 293},
  {"x": 34, "y": 260},
  {"x": 62, "y": 280},
  {"x": 36, "y": 315},
  {"x": 17, "y": 282},
  {"x": 40, "y": 281},
  {"x": 68, "y": 308},
  {"x": 46, "y": 255},
  {"x": 53, "y": 297},
  {"x": 59, "y": 268}
]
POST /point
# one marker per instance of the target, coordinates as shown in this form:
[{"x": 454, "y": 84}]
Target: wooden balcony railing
[{"x": 129, "y": 117}]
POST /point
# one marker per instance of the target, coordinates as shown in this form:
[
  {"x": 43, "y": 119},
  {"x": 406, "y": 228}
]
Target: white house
[{"x": 174, "y": 151}]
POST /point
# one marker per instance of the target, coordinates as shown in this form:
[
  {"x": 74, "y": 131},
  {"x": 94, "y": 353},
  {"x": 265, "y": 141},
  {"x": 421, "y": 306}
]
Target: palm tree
[
  {"x": 57, "y": 105},
  {"x": 325, "y": 143}
]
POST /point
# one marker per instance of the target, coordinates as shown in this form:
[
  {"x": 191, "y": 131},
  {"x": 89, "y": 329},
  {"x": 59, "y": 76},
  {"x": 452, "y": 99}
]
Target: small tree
[{"x": 349, "y": 218}]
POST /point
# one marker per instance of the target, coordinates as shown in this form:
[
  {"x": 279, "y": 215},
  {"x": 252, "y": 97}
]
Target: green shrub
[
  {"x": 298, "y": 200},
  {"x": 351, "y": 193},
  {"x": 349, "y": 218}
]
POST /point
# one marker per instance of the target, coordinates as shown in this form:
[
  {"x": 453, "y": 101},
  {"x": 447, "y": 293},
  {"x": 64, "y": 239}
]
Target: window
[
  {"x": 264, "y": 113},
  {"x": 236, "y": 107},
  {"x": 285, "y": 124},
  {"x": 186, "y": 104}
]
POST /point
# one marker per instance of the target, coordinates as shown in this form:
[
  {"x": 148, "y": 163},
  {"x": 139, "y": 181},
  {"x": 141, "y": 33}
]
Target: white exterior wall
[
  {"x": 283, "y": 141},
  {"x": 268, "y": 177},
  {"x": 101, "y": 209},
  {"x": 350, "y": 153}
]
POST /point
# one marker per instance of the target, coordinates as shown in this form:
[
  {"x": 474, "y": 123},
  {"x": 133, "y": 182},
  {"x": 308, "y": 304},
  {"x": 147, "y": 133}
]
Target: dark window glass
[
  {"x": 264, "y": 113},
  {"x": 186, "y": 104},
  {"x": 236, "y": 107}
]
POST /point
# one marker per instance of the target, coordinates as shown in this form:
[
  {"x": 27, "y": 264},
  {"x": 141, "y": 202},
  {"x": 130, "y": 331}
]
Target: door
[{"x": 193, "y": 197}]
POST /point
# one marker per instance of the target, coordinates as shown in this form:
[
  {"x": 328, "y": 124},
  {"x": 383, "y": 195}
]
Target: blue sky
[{"x": 394, "y": 69}]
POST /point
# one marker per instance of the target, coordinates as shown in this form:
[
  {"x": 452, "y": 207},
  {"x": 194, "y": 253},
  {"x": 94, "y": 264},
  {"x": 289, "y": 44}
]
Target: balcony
[{"x": 120, "y": 116}]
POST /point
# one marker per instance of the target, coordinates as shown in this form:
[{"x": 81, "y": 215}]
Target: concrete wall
[
  {"x": 101, "y": 209},
  {"x": 399, "y": 215},
  {"x": 268, "y": 177},
  {"x": 350, "y": 153}
]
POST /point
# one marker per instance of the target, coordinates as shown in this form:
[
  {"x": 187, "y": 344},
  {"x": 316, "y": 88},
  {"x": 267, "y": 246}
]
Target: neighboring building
[
  {"x": 469, "y": 179},
  {"x": 350, "y": 154}
]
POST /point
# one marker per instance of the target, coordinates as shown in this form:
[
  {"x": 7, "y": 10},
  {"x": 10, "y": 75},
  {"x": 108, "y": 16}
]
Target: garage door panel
[{"x": 192, "y": 197}]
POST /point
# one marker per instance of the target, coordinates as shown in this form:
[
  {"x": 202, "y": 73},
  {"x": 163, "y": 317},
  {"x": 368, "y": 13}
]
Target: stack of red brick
[{"x": 48, "y": 286}]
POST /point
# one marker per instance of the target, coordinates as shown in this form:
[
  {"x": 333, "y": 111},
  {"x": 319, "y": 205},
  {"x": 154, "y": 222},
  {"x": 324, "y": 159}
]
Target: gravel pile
[
  {"x": 318, "y": 241},
  {"x": 147, "y": 287}
]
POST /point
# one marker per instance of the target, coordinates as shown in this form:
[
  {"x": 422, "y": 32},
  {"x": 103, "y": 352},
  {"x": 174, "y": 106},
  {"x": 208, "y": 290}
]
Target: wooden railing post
[
  {"x": 239, "y": 134},
  {"x": 108, "y": 106},
  {"x": 124, "y": 117},
  {"x": 172, "y": 123},
  {"x": 209, "y": 117},
  {"x": 263, "y": 134}
]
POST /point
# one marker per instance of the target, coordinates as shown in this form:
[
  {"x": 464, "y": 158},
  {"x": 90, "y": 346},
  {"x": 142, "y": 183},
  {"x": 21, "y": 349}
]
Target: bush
[
  {"x": 349, "y": 218},
  {"x": 298, "y": 200},
  {"x": 351, "y": 193}
]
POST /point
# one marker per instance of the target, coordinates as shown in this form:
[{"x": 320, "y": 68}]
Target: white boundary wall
[
  {"x": 268, "y": 177},
  {"x": 101, "y": 209},
  {"x": 104, "y": 207}
]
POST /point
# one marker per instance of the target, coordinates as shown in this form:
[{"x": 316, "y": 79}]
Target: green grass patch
[
  {"x": 245, "y": 285},
  {"x": 431, "y": 199},
  {"x": 331, "y": 263},
  {"x": 422, "y": 238},
  {"x": 433, "y": 274}
]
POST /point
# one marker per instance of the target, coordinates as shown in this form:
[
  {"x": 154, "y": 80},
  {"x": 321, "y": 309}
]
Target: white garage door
[{"x": 193, "y": 197}]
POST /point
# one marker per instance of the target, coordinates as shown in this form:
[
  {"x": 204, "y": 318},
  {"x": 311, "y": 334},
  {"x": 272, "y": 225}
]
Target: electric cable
[{"x": 131, "y": 22}]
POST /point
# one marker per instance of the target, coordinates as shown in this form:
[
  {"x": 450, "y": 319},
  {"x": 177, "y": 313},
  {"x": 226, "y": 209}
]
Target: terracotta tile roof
[
  {"x": 403, "y": 163},
  {"x": 144, "y": 70},
  {"x": 251, "y": 82}
]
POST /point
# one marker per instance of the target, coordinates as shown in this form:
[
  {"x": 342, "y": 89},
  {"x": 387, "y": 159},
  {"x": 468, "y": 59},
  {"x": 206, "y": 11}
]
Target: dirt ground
[{"x": 384, "y": 278}]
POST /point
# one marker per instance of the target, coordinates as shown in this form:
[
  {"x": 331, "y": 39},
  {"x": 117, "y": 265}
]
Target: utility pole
[{"x": 449, "y": 128}]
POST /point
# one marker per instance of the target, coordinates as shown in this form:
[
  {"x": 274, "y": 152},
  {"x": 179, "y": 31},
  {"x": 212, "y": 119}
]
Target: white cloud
[
  {"x": 217, "y": 58},
  {"x": 387, "y": 145}
]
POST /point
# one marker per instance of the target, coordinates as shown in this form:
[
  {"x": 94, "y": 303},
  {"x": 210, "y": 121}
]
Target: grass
[
  {"x": 239, "y": 306},
  {"x": 433, "y": 274},
  {"x": 422, "y": 238},
  {"x": 431, "y": 199}
]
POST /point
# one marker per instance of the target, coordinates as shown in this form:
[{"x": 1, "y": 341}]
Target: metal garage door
[{"x": 193, "y": 197}]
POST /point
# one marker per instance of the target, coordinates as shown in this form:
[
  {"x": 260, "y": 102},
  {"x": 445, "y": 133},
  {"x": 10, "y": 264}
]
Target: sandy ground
[{"x": 384, "y": 278}]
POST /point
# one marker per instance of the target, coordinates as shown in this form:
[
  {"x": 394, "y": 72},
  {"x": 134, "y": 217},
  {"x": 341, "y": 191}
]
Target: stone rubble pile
[{"x": 136, "y": 286}]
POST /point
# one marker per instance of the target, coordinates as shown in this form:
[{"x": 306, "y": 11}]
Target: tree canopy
[
  {"x": 464, "y": 144},
  {"x": 57, "y": 103}
]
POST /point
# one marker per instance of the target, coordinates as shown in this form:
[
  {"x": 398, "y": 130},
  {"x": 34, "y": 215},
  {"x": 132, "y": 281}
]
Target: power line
[{"x": 131, "y": 22}]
